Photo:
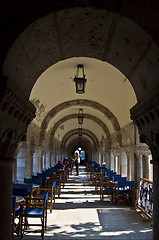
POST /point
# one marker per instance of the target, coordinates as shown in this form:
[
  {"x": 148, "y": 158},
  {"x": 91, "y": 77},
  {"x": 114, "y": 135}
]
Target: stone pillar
[
  {"x": 145, "y": 114},
  {"x": 5, "y": 198},
  {"x": 130, "y": 164},
  {"x": 44, "y": 160},
  {"x": 128, "y": 167},
  {"x": 21, "y": 162},
  {"x": 100, "y": 160},
  {"x": 40, "y": 160},
  {"x": 50, "y": 155},
  {"x": 31, "y": 163},
  {"x": 36, "y": 161},
  {"x": 115, "y": 164},
  {"x": 123, "y": 162},
  {"x": 111, "y": 160},
  {"x": 107, "y": 159},
  {"x": 147, "y": 166},
  {"x": 155, "y": 200},
  {"x": 139, "y": 166},
  {"x": 28, "y": 160},
  {"x": 15, "y": 170},
  {"x": 119, "y": 172}
]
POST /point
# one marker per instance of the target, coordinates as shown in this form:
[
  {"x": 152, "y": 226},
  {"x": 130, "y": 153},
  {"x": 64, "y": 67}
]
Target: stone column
[
  {"x": 123, "y": 169},
  {"x": 155, "y": 199},
  {"x": 139, "y": 166},
  {"x": 15, "y": 170},
  {"x": 147, "y": 166},
  {"x": 128, "y": 167},
  {"x": 115, "y": 164},
  {"x": 111, "y": 160},
  {"x": 31, "y": 163},
  {"x": 100, "y": 161},
  {"x": 44, "y": 161},
  {"x": 40, "y": 160},
  {"x": 107, "y": 159},
  {"x": 28, "y": 160},
  {"x": 50, "y": 155},
  {"x": 5, "y": 198},
  {"x": 21, "y": 162},
  {"x": 145, "y": 115},
  {"x": 119, "y": 170}
]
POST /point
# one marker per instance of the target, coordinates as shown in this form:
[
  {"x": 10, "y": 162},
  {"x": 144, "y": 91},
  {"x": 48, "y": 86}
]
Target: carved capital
[
  {"x": 146, "y": 110},
  {"x": 145, "y": 114},
  {"x": 16, "y": 113}
]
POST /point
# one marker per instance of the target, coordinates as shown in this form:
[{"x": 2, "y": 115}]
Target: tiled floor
[{"x": 79, "y": 214}]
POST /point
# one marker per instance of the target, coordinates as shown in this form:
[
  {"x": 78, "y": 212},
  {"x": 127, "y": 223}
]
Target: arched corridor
[{"x": 42, "y": 46}]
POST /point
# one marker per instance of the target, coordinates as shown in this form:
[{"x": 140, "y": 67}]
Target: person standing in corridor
[{"x": 75, "y": 158}]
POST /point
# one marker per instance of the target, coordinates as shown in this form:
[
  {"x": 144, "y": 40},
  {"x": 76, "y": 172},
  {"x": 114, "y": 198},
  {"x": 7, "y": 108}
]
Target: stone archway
[
  {"x": 78, "y": 102},
  {"x": 75, "y": 116},
  {"x": 141, "y": 67},
  {"x": 84, "y": 132}
]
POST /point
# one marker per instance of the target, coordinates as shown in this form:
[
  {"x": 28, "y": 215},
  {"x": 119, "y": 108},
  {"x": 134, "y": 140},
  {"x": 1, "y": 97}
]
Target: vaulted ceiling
[
  {"x": 105, "y": 103},
  {"x": 119, "y": 60}
]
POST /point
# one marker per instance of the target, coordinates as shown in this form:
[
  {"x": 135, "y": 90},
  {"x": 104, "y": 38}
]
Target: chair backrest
[
  {"x": 33, "y": 180},
  {"x": 13, "y": 203},
  {"x": 54, "y": 185},
  {"x": 126, "y": 184},
  {"x": 20, "y": 191},
  {"x": 46, "y": 197}
]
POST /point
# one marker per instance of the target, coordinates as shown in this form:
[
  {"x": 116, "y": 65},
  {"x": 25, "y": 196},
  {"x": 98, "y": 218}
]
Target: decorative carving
[
  {"x": 40, "y": 109},
  {"x": 16, "y": 114},
  {"x": 146, "y": 110},
  {"x": 146, "y": 116}
]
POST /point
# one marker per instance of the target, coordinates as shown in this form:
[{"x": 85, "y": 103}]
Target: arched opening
[{"x": 135, "y": 62}]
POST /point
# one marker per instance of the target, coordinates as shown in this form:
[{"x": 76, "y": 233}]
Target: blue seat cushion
[
  {"x": 33, "y": 211},
  {"x": 44, "y": 193},
  {"x": 126, "y": 191},
  {"x": 108, "y": 190}
]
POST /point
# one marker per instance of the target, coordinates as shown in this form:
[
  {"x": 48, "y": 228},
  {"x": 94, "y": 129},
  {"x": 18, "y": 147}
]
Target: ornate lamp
[
  {"x": 80, "y": 80},
  {"x": 80, "y": 116}
]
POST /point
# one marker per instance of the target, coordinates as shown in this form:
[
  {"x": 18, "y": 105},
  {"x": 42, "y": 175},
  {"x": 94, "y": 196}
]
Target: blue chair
[
  {"x": 109, "y": 189},
  {"x": 20, "y": 190},
  {"x": 41, "y": 191},
  {"x": 34, "y": 208},
  {"x": 125, "y": 191}
]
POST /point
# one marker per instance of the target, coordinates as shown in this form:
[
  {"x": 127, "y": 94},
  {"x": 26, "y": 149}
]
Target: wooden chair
[
  {"x": 98, "y": 178},
  {"x": 41, "y": 191},
  {"x": 58, "y": 183},
  {"x": 34, "y": 208},
  {"x": 108, "y": 188},
  {"x": 125, "y": 191}
]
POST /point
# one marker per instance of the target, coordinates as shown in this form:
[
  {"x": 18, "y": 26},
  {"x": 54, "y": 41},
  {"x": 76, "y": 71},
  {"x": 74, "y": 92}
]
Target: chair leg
[
  {"x": 21, "y": 228},
  {"x": 42, "y": 233},
  {"x": 51, "y": 199}
]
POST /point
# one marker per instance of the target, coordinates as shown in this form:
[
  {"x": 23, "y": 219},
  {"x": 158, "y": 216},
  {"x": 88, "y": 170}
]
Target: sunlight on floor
[{"x": 79, "y": 214}]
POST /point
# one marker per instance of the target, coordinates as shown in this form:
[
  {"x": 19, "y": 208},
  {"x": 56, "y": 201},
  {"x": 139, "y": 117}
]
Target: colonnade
[
  {"x": 132, "y": 162},
  {"x": 30, "y": 159}
]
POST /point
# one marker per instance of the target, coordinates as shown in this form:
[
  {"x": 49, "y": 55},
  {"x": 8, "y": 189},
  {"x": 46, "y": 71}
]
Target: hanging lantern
[
  {"x": 80, "y": 80},
  {"x": 80, "y": 130},
  {"x": 80, "y": 116}
]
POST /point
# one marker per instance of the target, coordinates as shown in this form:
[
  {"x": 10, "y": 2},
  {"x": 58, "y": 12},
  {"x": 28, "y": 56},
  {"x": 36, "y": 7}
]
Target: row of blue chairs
[
  {"x": 111, "y": 183},
  {"x": 48, "y": 182}
]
